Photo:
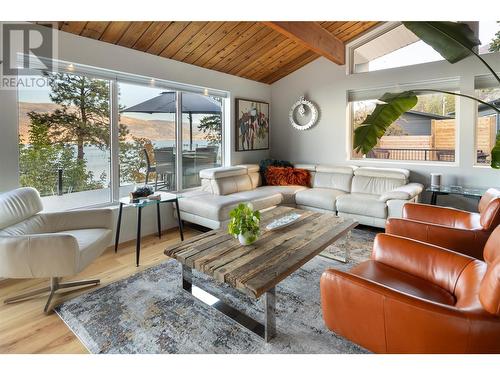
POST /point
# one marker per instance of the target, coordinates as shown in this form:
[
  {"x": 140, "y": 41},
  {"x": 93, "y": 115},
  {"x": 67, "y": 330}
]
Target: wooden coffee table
[{"x": 255, "y": 270}]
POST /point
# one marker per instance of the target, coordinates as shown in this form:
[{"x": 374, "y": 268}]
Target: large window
[
  {"x": 487, "y": 124},
  {"x": 87, "y": 141},
  {"x": 393, "y": 48},
  {"x": 64, "y": 139},
  {"x": 426, "y": 133}
]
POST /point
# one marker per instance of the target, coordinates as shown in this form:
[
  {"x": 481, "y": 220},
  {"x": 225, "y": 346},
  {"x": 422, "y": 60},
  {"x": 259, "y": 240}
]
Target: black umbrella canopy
[{"x": 165, "y": 103}]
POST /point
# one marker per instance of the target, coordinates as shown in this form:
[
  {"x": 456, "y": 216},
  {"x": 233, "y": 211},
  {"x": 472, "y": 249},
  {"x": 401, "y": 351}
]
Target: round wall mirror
[{"x": 303, "y": 114}]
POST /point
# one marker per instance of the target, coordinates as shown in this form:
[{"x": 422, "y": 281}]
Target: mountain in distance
[{"x": 157, "y": 130}]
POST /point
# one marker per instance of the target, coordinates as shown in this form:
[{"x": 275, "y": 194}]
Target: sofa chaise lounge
[{"x": 369, "y": 195}]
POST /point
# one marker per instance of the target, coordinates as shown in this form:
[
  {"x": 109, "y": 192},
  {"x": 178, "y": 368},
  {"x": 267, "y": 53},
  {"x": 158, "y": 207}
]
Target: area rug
[
  {"x": 150, "y": 313},
  {"x": 358, "y": 245}
]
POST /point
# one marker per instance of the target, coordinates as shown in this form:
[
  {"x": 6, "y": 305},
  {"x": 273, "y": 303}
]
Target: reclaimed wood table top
[{"x": 256, "y": 268}]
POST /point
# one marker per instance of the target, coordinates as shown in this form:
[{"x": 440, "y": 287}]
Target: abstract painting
[{"x": 252, "y": 125}]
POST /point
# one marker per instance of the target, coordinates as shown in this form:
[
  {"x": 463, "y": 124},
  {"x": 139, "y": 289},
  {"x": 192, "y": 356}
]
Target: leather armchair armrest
[
  {"x": 80, "y": 219},
  {"x": 465, "y": 241},
  {"x": 435, "y": 214},
  {"x": 38, "y": 255},
  {"x": 405, "y": 192},
  {"x": 330, "y": 275},
  {"x": 374, "y": 316},
  {"x": 432, "y": 263}
]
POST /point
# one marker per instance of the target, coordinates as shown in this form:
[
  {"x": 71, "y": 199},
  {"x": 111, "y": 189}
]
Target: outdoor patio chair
[
  {"x": 160, "y": 161},
  {"x": 164, "y": 167}
]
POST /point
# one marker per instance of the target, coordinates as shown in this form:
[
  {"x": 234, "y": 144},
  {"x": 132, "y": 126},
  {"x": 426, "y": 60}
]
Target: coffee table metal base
[{"x": 266, "y": 331}]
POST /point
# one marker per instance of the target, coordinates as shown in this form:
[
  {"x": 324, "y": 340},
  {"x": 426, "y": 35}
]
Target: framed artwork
[{"x": 252, "y": 125}]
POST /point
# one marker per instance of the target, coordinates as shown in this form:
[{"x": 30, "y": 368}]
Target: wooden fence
[
  {"x": 486, "y": 133},
  {"x": 437, "y": 146}
]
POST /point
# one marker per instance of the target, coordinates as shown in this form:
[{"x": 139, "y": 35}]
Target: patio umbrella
[{"x": 191, "y": 104}]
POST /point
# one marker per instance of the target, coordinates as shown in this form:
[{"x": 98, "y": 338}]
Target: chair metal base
[{"x": 54, "y": 286}]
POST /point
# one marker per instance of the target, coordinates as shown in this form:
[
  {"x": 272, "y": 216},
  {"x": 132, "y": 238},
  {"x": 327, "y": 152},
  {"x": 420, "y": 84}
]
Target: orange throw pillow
[{"x": 287, "y": 176}]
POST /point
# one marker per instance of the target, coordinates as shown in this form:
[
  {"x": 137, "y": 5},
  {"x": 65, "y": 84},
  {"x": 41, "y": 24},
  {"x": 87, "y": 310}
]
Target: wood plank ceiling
[{"x": 246, "y": 49}]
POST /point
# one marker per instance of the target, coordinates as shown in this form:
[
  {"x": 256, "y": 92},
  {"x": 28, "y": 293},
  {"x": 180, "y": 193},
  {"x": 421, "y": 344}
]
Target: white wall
[
  {"x": 326, "y": 84},
  {"x": 94, "y": 53}
]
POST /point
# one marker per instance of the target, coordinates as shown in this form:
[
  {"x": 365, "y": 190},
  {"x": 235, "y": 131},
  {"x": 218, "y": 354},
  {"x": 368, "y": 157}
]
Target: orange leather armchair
[
  {"x": 461, "y": 231},
  {"x": 413, "y": 297}
]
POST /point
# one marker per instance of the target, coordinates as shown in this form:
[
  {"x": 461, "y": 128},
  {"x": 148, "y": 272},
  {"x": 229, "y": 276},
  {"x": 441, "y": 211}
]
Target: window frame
[
  {"x": 482, "y": 82},
  {"x": 115, "y": 78},
  {"x": 363, "y": 39},
  {"x": 70, "y": 69}
]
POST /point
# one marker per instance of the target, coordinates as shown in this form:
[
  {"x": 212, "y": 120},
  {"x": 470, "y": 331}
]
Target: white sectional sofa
[{"x": 369, "y": 195}]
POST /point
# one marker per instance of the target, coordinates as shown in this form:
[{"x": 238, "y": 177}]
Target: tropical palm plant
[{"x": 454, "y": 41}]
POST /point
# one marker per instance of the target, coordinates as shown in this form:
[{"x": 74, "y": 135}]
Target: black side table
[{"x": 139, "y": 205}]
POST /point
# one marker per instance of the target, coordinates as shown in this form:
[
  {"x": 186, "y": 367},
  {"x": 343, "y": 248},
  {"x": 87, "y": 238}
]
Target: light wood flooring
[{"x": 24, "y": 328}]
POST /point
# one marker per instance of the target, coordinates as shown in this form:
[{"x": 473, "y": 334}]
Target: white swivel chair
[{"x": 34, "y": 244}]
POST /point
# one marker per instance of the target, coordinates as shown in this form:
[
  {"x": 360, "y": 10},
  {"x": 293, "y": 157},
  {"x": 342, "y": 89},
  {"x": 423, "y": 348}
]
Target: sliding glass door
[
  {"x": 201, "y": 136},
  {"x": 85, "y": 140},
  {"x": 147, "y": 137}
]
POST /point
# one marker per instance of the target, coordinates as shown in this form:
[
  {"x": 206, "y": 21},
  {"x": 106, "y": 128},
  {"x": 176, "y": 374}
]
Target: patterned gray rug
[{"x": 149, "y": 312}]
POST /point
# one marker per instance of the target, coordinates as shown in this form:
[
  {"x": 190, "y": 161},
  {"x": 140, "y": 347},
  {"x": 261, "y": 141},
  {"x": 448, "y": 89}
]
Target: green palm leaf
[
  {"x": 375, "y": 125},
  {"x": 452, "y": 40}
]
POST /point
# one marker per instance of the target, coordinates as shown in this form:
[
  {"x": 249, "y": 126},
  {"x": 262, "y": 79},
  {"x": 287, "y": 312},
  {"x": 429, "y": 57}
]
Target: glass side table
[
  {"x": 473, "y": 192},
  {"x": 139, "y": 205}
]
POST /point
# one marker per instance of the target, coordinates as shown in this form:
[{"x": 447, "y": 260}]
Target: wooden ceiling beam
[{"x": 312, "y": 36}]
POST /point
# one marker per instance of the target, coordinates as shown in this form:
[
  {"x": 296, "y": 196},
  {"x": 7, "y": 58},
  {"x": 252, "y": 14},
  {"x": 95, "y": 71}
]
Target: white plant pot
[{"x": 247, "y": 238}]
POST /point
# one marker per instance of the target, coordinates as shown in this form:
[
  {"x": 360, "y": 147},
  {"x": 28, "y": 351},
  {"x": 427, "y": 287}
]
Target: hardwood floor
[{"x": 24, "y": 328}]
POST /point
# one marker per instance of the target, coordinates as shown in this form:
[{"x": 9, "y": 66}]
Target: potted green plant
[{"x": 244, "y": 224}]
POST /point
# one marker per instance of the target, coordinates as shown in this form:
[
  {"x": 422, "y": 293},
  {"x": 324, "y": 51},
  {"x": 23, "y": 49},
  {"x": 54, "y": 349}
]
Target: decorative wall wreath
[{"x": 299, "y": 107}]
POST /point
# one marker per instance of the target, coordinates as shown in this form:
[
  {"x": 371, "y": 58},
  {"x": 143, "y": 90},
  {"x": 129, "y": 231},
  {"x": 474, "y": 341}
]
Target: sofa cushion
[
  {"x": 309, "y": 167},
  {"x": 392, "y": 173},
  {"x": 333, "y": 177},
  {"x": 253, "y": 173},
  {"x": 319, "y": 198},
  {"x": 217, "y": 207},
  {"x": 264, "y": 164},
  {"x": 221, "y": 172},
  {"x": 405, "y": 192},
  {"x": 227, "y": 185},
  {"x": 372, "y": 180},
  {"x": 260, "y": 199},
  {"x": 342, "y": 169},
  {"x": 250, "y": 167},
  {"x": 211, "y": 206},
  {"x": 375, "y": 185},
  {"x": 288, "y": 192},
  {"x": 278, "y": 176},
  {"x": 362, "y": 204}
]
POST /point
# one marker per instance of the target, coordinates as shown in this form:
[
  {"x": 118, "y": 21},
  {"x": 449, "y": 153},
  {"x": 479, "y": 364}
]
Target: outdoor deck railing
[{"x": 423, "y": 154}]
